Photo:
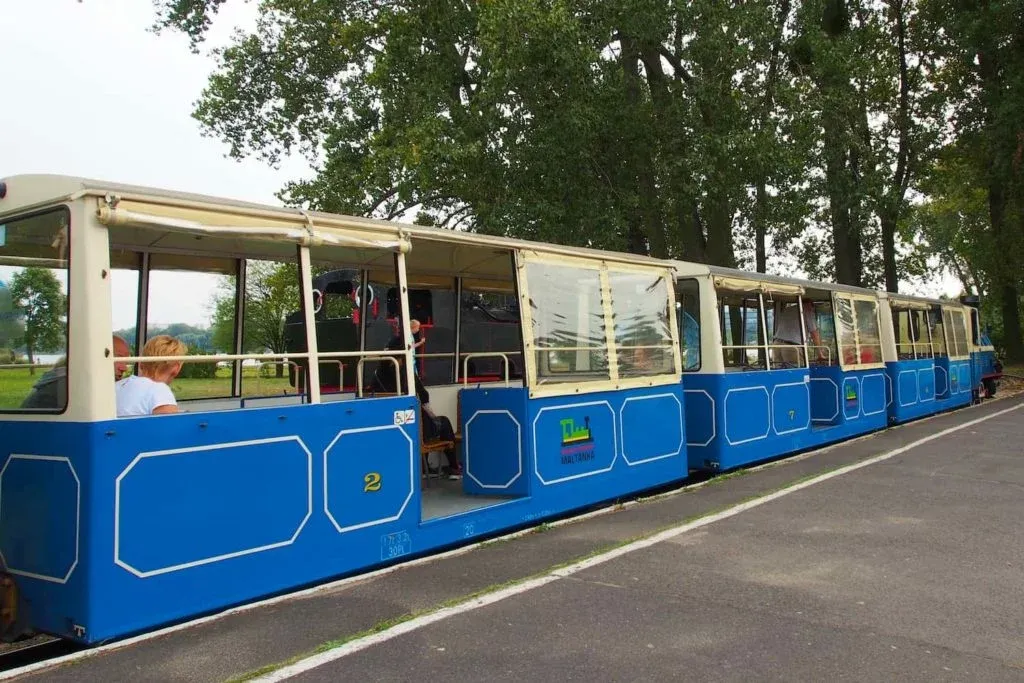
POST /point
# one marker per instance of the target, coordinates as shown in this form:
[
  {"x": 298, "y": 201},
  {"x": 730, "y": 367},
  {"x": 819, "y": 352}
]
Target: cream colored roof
[{"x": 32, "y": 191}]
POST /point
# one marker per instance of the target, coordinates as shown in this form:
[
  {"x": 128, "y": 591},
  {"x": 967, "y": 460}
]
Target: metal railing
[
  {"x": 802, "y": 350},
  {"x": 494, "y": 354}
]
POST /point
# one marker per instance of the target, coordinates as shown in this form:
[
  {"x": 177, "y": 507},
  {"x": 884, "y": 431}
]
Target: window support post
[
  {"x": 764, "y": 331},
  {"x": 309, "y": 317},
  {"x": 803, "y": 329},
  {"x": 403, "y": 301}
]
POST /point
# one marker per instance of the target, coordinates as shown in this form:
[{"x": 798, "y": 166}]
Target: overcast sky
[{"x": 90, "y": 91}]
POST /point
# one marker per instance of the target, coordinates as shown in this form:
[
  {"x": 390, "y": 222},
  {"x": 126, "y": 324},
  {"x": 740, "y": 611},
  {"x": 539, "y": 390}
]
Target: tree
[
  {"x": 37, "y": 293},
  {"x": 271, "y": 293},
  {"x": 982, "y": 50},
  {"x": 11, "y": 327},
  {"x": 606, "y": 124}
]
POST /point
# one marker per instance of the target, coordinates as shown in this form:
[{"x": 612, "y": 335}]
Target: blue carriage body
[
  {"x": 122, "y": 526},
  {"x": 740, "y": 418}
]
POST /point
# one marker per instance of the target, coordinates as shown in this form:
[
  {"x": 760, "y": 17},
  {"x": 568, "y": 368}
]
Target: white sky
[{"x": 90, "y": 91}]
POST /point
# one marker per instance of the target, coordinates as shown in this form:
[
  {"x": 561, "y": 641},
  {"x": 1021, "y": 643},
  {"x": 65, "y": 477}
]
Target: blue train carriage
[
  {"x": 773, "y": 366},
  {"x": 111, "y": 526},
  {"x": 928, "y": 355},
  {"x": 987, "y": 369}
]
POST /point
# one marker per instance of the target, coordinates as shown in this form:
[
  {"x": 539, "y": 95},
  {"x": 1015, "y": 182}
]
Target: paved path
[{"x": 909, "y": 568}]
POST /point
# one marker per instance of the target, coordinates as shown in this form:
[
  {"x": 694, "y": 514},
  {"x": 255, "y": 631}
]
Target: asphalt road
[{"x": 908, "y": 569}]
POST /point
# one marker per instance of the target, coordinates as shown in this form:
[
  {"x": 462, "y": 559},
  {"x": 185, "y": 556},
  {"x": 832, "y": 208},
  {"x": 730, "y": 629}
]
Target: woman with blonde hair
[{"x": 148, "y": 392}]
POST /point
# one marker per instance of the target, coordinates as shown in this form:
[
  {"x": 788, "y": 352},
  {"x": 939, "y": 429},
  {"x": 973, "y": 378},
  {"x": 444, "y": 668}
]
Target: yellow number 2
[{"x": 372, "y": 481}]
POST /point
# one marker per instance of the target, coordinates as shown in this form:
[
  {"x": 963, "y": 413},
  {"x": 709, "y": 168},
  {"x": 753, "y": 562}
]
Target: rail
[
  {"x": 465, "y": 364},
  {"x": 928, "y": 346},
  {"x": 359, "y": 373},
  {"x": 767, "y": 347},
  {"x": 276, "y": 359},
  {"x": 275, "y": 363}
]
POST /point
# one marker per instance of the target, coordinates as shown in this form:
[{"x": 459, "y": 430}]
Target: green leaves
[{"x": 37, "y": 295}]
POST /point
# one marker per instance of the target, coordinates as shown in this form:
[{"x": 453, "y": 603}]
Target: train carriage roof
[
  {"x": 442, "y": 250},
  {"x": 743, "y": 280}
]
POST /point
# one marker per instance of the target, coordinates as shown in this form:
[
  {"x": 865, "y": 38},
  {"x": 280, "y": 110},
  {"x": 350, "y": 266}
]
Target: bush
[{"x": 199, "y": 369}]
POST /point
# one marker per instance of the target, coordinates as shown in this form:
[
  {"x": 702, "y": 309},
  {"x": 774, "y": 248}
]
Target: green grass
[{"x": 16, "y": 383}]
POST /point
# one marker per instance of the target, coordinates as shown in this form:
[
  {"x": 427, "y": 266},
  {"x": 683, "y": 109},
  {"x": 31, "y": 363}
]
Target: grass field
[{"x": 15, "y": 384}]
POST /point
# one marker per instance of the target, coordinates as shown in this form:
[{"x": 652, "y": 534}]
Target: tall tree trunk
[
  {"x": 647, "y": 214},
  {"x": 1004, "y": 280},
  {"x": 1010, "y": 304},
  {"x": 893, "y": 201},
  {"x": 761, "y": 197},
  {"x": 31, "y": 359},
  {"x": 887, "y": 218},
  {"x": 761, "y": 228},
  {"x": 845, "y": 234}
]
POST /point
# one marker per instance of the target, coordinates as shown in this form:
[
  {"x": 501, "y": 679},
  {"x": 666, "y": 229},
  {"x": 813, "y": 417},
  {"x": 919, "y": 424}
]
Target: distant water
[{"x": 47, "y": 358}]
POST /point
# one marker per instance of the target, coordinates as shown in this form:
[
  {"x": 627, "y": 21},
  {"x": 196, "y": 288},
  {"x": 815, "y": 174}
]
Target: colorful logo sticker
[{"x": 577, "y": 442}]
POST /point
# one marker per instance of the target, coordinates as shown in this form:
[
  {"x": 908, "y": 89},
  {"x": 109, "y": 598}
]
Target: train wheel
[{"x": 990, "y": 387}]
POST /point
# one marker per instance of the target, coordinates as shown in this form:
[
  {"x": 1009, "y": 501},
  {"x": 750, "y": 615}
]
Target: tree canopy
[
  {"x": 39, "y": 298},
  {"x": 770, "y": 133}
]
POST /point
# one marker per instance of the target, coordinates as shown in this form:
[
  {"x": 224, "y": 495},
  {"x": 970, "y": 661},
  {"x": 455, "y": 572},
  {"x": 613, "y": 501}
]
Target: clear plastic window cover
[
  {"x": 568, "y": 321},
  {"x": 845, "y": 323},
  {"x": 34, "y": 312},
  {"x": 643, "y": 330},
  {"x": 959, "y": 333}
]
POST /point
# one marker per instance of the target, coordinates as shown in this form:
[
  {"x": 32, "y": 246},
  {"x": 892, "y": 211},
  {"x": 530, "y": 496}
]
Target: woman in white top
[{"x": 148, "y": 392}]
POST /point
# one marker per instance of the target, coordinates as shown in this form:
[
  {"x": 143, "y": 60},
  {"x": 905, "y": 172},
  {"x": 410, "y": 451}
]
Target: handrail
[
  {"x": 261, "y": 364},
  {"x": 341, "y": 370},
  {"x": 491, "y": 354},
  {"x": 828, "y": 349},
  {"x": 359, "y": 372},
  {"x": 781, "y": 346}
]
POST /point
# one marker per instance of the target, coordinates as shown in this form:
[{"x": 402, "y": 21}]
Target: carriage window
[
  {"x": 568, "y": 323},
  {"x": 784, "y": 319},
  {"x": 435, "y": 310},
  {"x": 336, "y": 310},
  {"x": 643, "y": 334},
  {"x": 688, "y": 323},
  {"x": 826, "y": 351},
  {"x": 937, "y": 330},
  {"x": 489, "y": 324},
  {"x": 193, "y": 300},
  {"x": 959, "y": 333},
  {"x": 857, "y": 330},
  {"x": 911, "y": 333},
  {"x": 125, "y": 274},
  {"x": 34, "y": 313},
  {"x": 743, "y": 336},
  {"x": 868, "y": 338},
  {"x": 846, "y": 330}
]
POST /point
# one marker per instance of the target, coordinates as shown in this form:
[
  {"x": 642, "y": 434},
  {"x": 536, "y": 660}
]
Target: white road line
[
  {"x": 92, "y": 652},
  {"x": 354, "y": 646}
]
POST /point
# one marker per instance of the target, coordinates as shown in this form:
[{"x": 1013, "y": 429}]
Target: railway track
[{"x": 33, "y": 651}]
